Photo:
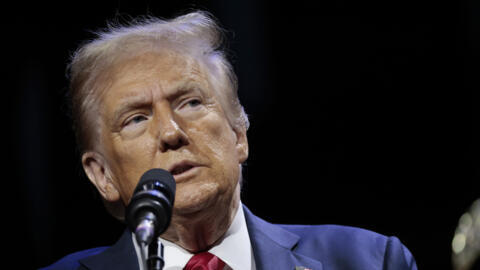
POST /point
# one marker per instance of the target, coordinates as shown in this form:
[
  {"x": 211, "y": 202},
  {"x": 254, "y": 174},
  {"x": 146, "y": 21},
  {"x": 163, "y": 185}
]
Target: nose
[{"x": 170, "y": 134}]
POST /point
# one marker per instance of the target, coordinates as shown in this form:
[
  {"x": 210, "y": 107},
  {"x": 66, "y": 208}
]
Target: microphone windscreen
[{"x": 160, "y": 175}]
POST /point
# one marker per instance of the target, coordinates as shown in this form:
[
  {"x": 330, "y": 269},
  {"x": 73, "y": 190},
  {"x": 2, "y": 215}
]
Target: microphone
[{"x": 150, "y": 210}]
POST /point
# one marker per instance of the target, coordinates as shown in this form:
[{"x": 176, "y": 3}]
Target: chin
[{"x": 196, "y": 199}]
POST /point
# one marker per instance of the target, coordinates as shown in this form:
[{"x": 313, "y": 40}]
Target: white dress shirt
[{"x": 234, "y": 248}]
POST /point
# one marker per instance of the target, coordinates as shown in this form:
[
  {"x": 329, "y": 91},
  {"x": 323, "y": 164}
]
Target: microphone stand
[{"x": 155, "y": 259}]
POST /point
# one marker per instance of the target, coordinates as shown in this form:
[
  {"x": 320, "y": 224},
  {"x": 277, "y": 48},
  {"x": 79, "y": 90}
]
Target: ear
[
  {"x": 242, "y": 144},
  {"x": 95, "y": 167}
]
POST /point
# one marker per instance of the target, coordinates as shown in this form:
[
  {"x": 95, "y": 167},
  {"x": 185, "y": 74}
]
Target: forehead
[{"x": 166, "y": 71}]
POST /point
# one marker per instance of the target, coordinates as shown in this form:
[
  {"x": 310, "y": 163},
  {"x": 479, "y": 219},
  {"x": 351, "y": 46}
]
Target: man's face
[{"x": 160, "y": 111}]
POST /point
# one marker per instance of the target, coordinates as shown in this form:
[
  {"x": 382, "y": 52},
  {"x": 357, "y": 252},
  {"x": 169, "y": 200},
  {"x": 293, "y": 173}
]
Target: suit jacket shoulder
[
  {"x": 71, "y": 261},
  {"x": 349, "y": 247},
  {"x": 324, "y": 247},
  {"x": 120, "y": 256}
]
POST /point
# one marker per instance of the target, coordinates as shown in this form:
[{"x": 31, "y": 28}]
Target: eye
[
  {"x": 135, "y": 120},
  {"x": 194, "y": 102},
  {"x": 191, "y": 103}
]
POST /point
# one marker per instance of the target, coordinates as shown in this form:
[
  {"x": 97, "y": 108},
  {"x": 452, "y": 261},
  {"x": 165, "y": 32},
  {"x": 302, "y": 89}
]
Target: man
[{"x": 160, "y": 94}]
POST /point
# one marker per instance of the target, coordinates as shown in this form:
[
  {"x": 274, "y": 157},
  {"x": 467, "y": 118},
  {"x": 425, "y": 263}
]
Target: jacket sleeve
[{"x": 397, "y": 256}]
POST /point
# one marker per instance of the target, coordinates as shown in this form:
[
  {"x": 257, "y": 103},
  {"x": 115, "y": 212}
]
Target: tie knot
[{"x": 204, "y": 261}]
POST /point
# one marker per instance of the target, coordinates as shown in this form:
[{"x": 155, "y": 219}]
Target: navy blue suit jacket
[{"x": 277, "y": 247}]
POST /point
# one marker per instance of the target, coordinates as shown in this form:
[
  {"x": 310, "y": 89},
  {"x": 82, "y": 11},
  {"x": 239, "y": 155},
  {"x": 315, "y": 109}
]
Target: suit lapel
[
  {"x": 274, "y": 247},
  {"x": 121, "y": 256}
]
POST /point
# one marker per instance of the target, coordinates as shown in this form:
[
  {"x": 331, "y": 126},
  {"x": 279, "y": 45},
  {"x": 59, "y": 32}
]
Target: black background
[{"x": 363, "y": 113}]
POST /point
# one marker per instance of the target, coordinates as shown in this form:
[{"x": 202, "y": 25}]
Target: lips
[{"x": 182, "y": 168}]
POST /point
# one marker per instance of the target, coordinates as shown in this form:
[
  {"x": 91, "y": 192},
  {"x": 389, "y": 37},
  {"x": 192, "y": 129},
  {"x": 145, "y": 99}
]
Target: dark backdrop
[{"x": 362, "y": 113}]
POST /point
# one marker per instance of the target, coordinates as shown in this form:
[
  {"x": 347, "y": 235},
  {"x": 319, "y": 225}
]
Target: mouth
[{"x": 182, "y": 169}]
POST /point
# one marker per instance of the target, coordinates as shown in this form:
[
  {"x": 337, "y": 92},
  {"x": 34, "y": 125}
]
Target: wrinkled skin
[{"x": 161, "y": 111}]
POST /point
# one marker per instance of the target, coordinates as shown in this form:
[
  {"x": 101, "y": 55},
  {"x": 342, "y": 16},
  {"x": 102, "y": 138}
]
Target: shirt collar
[{"x": 234, "y": 248}]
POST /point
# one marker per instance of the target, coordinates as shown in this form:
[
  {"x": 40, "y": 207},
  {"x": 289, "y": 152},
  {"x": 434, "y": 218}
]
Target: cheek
[
  {"x": 130, "y": 161},
  {"x": 218, "y": 141},
  {"x": 217, "y": 137}
]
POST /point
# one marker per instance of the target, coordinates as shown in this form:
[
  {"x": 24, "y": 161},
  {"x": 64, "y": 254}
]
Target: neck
[{"x": 200, "y": 231}]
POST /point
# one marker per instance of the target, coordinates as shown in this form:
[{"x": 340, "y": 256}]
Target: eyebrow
[
  {"x": 129, "y": 103},
  {"x": 182, "y": 89}
]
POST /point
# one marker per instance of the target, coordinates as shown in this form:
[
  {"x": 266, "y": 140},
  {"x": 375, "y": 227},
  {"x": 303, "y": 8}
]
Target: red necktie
[{"x": 204, "y": 261}]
